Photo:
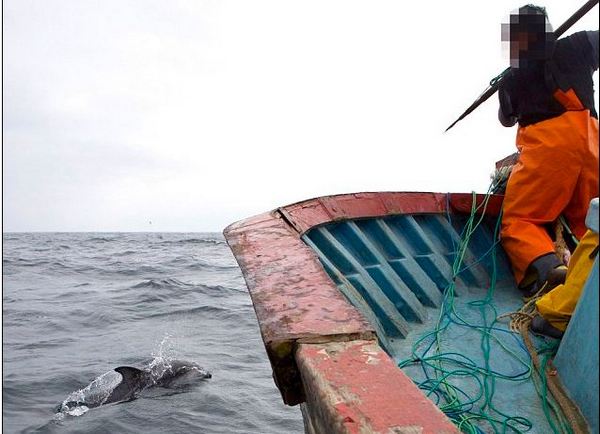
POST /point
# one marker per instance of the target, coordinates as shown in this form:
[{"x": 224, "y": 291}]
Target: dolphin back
[
  {"x": 134, "y": 381},
  {"x": 126, "y": 382},
  {"x": 130, "y": 375}
]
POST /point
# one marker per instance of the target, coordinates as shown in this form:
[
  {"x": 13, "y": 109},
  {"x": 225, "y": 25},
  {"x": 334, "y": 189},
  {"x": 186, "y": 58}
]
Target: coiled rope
[
  {"x": 561, "y": 413},
  {"x": 440, "y": 367}
]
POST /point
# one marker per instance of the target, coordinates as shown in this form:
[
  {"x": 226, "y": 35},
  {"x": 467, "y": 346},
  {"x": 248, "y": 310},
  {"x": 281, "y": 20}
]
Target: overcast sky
[{"x": 190, "y": 115}]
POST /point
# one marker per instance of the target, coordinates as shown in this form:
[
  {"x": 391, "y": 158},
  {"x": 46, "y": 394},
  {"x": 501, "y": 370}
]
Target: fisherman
[{"x": 549, "y": 92}]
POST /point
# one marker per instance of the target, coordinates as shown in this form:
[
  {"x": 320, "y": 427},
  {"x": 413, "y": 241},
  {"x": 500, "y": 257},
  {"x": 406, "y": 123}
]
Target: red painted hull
[{"x": 322, "y": 350}]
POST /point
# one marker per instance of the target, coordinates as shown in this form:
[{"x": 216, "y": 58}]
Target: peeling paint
[
  {"x": 406, "y": 430},
  {"x": 372, "y": 360},
  {"x": 323, "y": 352},
  {"x": 347, "y": 395},
  {"x": 315, "y": 339}
]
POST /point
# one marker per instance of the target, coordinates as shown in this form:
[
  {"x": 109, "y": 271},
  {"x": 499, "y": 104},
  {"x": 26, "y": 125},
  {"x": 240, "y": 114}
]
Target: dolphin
[{"x": 125, "y": 383}]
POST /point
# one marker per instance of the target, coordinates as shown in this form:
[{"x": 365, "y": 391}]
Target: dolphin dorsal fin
[{"x": 130, "y": 375}]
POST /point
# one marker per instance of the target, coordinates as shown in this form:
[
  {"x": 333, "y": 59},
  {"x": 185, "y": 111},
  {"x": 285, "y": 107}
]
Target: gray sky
[{"x": 195, "y": 114}]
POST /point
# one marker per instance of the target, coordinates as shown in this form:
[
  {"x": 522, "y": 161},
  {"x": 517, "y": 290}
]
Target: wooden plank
[{"x": 355, "y": 387}]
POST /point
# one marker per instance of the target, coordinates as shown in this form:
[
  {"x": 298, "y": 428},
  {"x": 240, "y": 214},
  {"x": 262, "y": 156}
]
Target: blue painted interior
[
  {"x": 394, "y": 269},
  {"x": 400, "y": 265}
]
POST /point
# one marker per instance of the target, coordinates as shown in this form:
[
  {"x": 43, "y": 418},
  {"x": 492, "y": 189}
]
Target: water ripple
[
  {"x": 81, "y": 303},
  {"x": 162, "y": 283}
]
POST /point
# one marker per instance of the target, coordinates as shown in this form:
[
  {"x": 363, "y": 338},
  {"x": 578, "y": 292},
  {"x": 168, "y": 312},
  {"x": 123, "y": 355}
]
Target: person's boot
[
  {"x": 540, "y": 326},
  {"x": 548, "y": 272}
]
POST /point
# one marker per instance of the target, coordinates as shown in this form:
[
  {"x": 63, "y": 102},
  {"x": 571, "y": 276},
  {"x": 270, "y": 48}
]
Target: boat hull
[{"x": 340, "y": 285}]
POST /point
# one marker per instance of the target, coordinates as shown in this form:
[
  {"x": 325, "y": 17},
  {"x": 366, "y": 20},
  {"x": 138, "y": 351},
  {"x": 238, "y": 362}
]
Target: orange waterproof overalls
[{"x": 557, "y": 173}]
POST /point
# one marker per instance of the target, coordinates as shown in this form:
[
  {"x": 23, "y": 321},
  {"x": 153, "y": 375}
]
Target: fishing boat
[{"x": 397, "y": 312}]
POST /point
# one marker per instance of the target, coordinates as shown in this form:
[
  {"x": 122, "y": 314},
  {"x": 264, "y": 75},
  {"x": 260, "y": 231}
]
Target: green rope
[
  {"x": 447, "y": 366},
  {"x": 452, "y": 400},
  {"x": 499, "y": 77}
]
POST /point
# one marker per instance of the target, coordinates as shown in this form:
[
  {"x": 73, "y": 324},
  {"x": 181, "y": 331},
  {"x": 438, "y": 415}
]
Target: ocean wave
[
  {"x": 51, "y": 343},
  {"x": 120, "y": 268},
  {"x": 162, "y": 283},
  {"x": 100, "y": 240},
  {"x": 218, "y": 290},
  {"x": 25, "y": 262},
  {"x": 212, "y": 290},
  {"x": 213, "y": 310},
  {"x": 50, "y": 247},
  {"x": 100, "y": 316},
  {"x": 203, "y": 265},
  {"x": 171, "y": 291},
  {"x": 208, "y": 241},
  {"x": 87, "y": 269},
  {"x": 54, "y": 265},
  {"x": 23, "y": 315},
  {"x": 126, "y": 253},
  {"x": 78, "y": 293}
]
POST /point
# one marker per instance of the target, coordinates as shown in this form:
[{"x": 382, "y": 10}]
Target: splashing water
[
  {"x": 162, "y": 356},
  {"x": 166, "y": 348},
  {"x": 96, "y": 393}
]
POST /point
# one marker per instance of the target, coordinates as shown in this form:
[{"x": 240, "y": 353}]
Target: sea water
[{"x": 77, "y": 305}]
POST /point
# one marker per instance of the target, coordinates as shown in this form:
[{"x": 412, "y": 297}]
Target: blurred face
[
  {"x": 524, "y": 38},
  {"x": 518, "y": 46}
]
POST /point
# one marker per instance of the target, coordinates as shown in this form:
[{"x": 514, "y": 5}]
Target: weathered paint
[
  {"x": 296, "y": 302},
  {"x": 313, "y": 212},
  {"x": 354, "y": 387},
  {"x": 294, "y": 299}
]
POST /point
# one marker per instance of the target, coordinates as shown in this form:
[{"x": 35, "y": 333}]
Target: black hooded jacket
[{"x": 527, "y": 94}]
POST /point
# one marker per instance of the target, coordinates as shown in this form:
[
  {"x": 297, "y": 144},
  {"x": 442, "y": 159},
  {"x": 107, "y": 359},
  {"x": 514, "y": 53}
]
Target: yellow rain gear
[{"x": 557, "y": 306}]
